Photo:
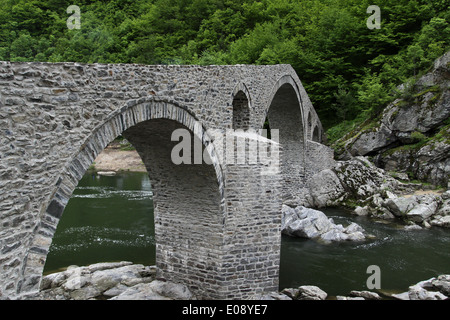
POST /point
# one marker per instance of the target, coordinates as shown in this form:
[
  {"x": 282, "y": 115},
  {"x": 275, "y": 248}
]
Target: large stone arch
[
  {"x": 186, "y": 197},
  {"x": 285, "y": 114}
]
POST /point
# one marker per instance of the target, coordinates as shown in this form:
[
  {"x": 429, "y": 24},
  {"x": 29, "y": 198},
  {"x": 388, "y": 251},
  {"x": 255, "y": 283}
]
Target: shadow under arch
[
  {"x": 188, "y": 199},
  {"x": 285, "y": 114}
]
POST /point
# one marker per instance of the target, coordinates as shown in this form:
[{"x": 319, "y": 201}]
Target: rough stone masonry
[{"x": 217, "y": 226}]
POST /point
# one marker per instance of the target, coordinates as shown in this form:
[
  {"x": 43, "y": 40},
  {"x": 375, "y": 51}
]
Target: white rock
[
  {"x": 422, "y": 212},
  {"x": 416, "y": 292},
  {"x": 441, "y": 221},
  {"x": 274, "y": 296},
  {"x": 142, "y": 291},
  {"x": 311, "y": 293},
  {"x": 401, "y": 296},
  {"x": 400, "y": 206},
  {"x": 314, "y": 224},
  {"x": 412, "y": 227},
  {"x": 446, "y": 195},
  {"x": 349, "y": 298},
  {"x": 368, "y": 295},
  {"x": 354, "y": 227},
  {"x": 325, "y": 188},
  {"x": 171, "y": 290},
  {"x": 106, "y": 279},
  {"x": 356, "y": 236},
  {"x": 361, "y": 211}
]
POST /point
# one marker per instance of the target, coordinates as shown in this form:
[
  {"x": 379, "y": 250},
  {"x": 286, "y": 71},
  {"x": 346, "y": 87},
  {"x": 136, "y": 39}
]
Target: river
[{"x": 110, "y": 218}]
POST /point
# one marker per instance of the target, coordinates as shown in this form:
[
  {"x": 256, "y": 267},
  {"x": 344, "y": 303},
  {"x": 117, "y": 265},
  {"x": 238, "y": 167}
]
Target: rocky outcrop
[
  {"x": 127, "y": 281},
  {"x": 437, "y": 288},
  {"x": 313, "y": 224},
  {"x": 371, "y": 191},
  {"x": 412, "y": 135},
  {"x": 349, "y": 181},
  {"x": 427, "y": 161},
  {"x": 418, "y": 210},
  {"x": 110, "y": 281}
]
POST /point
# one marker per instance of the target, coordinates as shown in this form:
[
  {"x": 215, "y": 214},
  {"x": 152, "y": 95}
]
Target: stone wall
[
  {"x": 56, "y": 118},
  {"x": 319, "y": 157}
]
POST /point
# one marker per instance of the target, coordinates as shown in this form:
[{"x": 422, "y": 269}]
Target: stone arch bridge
[{"x": 217, "y": 223}]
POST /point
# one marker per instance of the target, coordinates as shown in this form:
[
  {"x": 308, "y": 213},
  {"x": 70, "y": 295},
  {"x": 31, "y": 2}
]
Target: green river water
[{"x": 110, "y": 218}]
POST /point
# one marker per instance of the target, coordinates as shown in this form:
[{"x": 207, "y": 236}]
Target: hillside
[
  {"x": 412, "y": 134},
  {"x": 347, "y": 69}
]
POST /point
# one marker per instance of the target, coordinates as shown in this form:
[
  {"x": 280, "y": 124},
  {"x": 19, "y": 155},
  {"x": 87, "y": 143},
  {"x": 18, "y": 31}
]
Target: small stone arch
[
  {"x": 148, "y": 126},
  {"x": 309, "y": 124},
  {"x": 316, "y": 134},
  {"x": 241, "y": 107}
]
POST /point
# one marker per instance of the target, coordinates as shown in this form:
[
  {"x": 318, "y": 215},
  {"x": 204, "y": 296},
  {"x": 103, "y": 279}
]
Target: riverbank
[
  {"x": 127, "y": 281},
  {"x": 117, "y": 157}
]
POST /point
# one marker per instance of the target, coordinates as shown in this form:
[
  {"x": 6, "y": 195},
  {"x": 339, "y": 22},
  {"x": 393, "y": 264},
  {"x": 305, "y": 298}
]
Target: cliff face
[{"x": 412, "y": 135}]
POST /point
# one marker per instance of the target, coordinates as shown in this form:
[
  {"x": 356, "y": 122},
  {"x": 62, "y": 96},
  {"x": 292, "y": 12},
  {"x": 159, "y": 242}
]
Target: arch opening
[
  {"x": 285, "y": 117},
  {"x": 241, "y": 111},
  {"x": 316, "y": 134},
  {"x": 188, "y": 210},
  {"x": 309, "y": 123}
]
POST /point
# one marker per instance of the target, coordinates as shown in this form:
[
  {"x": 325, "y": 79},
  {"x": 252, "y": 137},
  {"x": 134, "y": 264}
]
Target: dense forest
[{"x": 350, "y": 71}]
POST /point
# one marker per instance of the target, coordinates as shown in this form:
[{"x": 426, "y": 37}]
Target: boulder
[
  {"x": 274, "y": 296},
  {"x": 440, "y": 221},
  {"x": 367, "y": 295},
  {"x": 121, "y": 280},
  {"x": 422, "y": 212},
  {"x": 442, "y": 283},
  {"x": 311, "y": 293},
  {"x": 314, "y": 224},
  {"x": 431, "y": 289},
  {"x": 418, "y": 208},
  {"x": 446, "y": 195},
  {"x": 444, "y": 208},
  {"x": 291, "y": 292},
  {"x": 401, "y": 296},
  {"x": 326, "y": 189},
  {"x": 400, "y": 206},
  {"x": 349, "y": 298},
  {"x": 176, "y": 291},
  {"x": 106, "y": 279},
  {"x": 416, "y": 292},
  {"x": 361, "y": 211},
  {"x": 334, "y": 235},
  {"x": 156, "y": 290},
  {"x": 142, "y": 291}
]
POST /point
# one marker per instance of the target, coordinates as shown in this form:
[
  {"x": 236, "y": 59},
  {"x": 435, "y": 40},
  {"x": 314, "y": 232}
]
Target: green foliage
[
  {"x": 417, "y": 136},
  {"x": 347, "y": 69},
  {"x": 373, "y": 94}
]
